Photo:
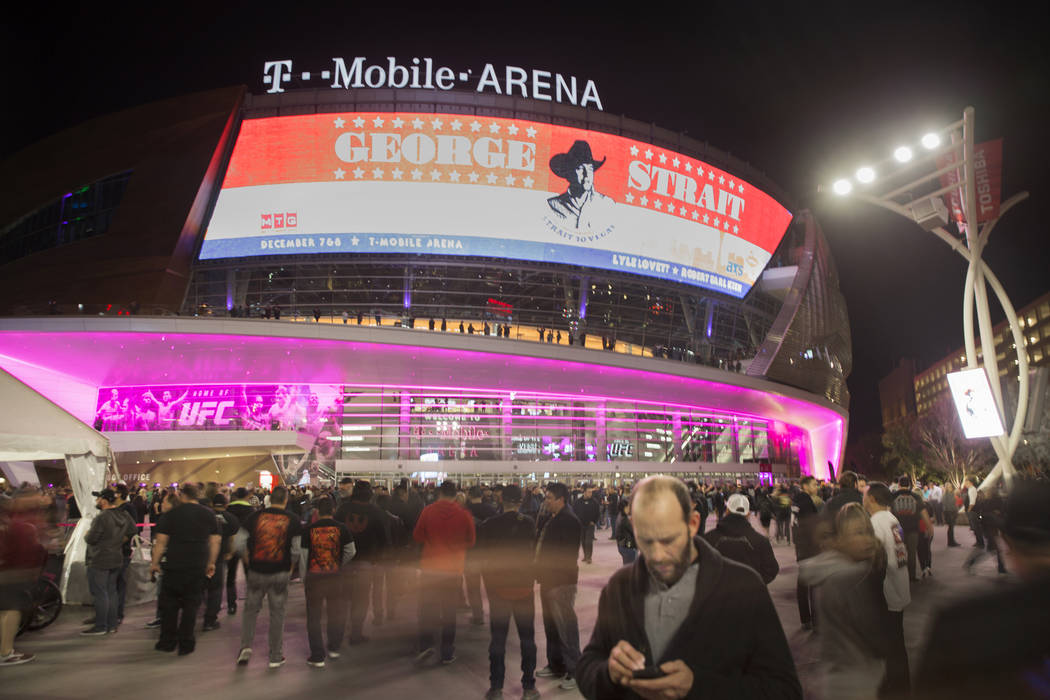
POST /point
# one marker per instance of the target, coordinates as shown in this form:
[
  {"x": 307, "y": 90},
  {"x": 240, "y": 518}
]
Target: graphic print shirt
[
  {"x": 271, "y": 534},
  {"x": 326, "y": 544}
]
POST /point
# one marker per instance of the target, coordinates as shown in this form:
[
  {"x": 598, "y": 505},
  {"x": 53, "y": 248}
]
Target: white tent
[{"x": 31, "y": 428}]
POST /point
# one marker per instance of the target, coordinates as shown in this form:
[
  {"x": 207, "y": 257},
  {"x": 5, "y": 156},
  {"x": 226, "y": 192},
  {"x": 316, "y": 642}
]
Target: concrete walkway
[{"x": 75, "y": 667}]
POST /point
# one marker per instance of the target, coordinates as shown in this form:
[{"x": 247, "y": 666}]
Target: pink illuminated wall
[{"x": 69, "y": 359}]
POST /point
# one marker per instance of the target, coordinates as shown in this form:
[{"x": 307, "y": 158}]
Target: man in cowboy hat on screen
[{"x": 580, "y": 206}]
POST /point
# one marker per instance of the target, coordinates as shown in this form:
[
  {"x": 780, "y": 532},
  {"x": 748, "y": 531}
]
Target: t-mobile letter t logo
[{"x": 281, "y": 74}]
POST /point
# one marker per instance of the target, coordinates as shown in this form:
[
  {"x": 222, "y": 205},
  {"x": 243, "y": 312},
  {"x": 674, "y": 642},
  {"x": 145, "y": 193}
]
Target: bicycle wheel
[{"x": 47, "y": 604}]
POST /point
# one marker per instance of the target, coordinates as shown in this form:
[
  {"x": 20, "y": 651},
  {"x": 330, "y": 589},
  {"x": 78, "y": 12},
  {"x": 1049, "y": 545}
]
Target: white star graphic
[
  {"x": 456, "y": 125},
  {"x": 657, "y": 204},
  {"x": 706, "y": 218},
  {"x": 710, "y": 174},
  {"x": 435, "y": 174},
  {"x": 359, "y": 173},
  {"x": 663, "y": 158},
  {"x": 510, "y": 179},
  {"x": 629, "y": 198},
  {"x": 741, "y": 189},
  {"x": 675, "y": 162},
  {"x": 454, "y": 176},
  {"x": 359, "y": 122},
  {"x": 732, "y": 185},
  {"x": 695, "y": 215},
  {"x": 531, "y": 132},
  {"x": 494, "y": 128},
  {"x": 644, "y": 200},
  {"x": 475, "y": 125},
  {"x": 648, "y": 154},
  {"x": 512, "y": 130},
  {"x": 378, "y": 173},
  {"x": 355, "y": 240},
  {"x": 417, "y": 123},
  {"x": 725, "y": 225},
  {"x": 736, "y": 229},
  {"x": 396, "y": 173},
  {"x": 397, "y": 122},
  {"x": 634, "y": 150},
  {"x": 527, "y": 181},
  {"x": 436, "y": 123},
  {"x": 339, "y": 173},
  {"x": 491, "y": 177},
  {"x": 699, "y": 171},
  {"x": 717, "y": 222},
  {"x": 681, "y": 210},
  {"x": 417, "y": 174},
  {"x": 339, "y": 121},
  {"x": 688, "y": 167},
  {"x": 473, "y": 177},
  {"x": 721, "y": 180},
  {"x": 377, "y": 122}
]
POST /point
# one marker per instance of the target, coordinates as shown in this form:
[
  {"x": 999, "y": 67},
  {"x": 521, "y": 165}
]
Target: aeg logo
[{"x": 279, "y": 221}]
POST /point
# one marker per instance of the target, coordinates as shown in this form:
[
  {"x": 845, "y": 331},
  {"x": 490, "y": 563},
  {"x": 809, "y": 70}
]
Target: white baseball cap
[{"x": 739, "y": 504}]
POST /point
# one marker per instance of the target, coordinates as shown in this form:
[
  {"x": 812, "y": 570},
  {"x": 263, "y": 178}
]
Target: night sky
[{"x": 805, "y": 95}]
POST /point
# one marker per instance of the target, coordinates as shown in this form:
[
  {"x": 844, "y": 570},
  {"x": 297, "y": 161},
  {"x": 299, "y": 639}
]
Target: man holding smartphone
[{"x": 652, "y": 638}]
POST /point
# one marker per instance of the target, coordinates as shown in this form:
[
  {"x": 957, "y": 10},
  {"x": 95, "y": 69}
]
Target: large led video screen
[{"x": 446, "y": 184}]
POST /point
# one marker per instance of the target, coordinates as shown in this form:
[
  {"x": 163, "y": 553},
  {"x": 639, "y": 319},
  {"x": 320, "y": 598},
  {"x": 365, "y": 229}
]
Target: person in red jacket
[{"x": 446, "y": 531}]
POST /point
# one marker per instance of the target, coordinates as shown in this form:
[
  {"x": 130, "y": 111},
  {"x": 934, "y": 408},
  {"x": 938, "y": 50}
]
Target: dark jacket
[
  {"x": 731, "y": 639},
  {"x": 807, "y": 522},
  {"x": 588, "y": 510},
  {"x": 832, "y": 507},
  {"x": 558, "y": 549},
  {"x": 109, "y": 531},
  {"x": 505, "y": 547},
  {"x": 736, "y": 539},
  {"x": 369, "y": 525}
]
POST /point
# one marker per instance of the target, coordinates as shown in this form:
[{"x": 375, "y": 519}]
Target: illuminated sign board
[
  {"x": 446, "y": 184},
  {"x": 426, "y": 74},
  {"x": 973, "y": 400}
]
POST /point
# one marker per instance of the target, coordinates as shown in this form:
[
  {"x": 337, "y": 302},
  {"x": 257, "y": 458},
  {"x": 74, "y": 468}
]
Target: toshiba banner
[
  {"x": 988, "y": 181},
  {"x": 493, "y": 187}
]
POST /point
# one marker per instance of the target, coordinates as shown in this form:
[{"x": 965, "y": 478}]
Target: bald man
[{"x": 683, "y": 615}]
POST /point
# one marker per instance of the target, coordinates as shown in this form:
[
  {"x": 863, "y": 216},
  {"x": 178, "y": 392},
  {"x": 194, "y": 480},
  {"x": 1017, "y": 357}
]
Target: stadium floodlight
[{"x": 922, "y": 200}]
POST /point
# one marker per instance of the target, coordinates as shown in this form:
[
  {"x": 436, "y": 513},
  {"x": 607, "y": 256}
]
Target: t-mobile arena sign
[{"x": 424, "y": 73}]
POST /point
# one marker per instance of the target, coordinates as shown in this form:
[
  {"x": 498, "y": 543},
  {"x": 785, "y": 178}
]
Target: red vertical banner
[
  {"x": 988, "y": 173},
  {"x": 988, "y": 181}
]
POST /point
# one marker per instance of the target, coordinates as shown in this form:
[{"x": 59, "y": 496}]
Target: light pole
[{"x": 919, "y": 200}]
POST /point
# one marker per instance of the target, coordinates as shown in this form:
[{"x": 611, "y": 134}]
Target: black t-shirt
[
  {"x": 324, "y": 542},
  {"x": 907, "y": 507},
  {"x": 188, "y": 526},
  {"x": 228, "y": 526},
  {"x": 270, "y": 535}
]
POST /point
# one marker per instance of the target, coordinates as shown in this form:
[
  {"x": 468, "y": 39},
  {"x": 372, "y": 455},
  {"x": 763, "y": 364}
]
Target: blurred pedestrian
[
  {"x": 557, "y": 570},
  {"x": 996, "y": 644},
  {"x": 878, "y": 501},
  {"x": 109, "y": 531},
  {"x": 852, "y": 611},
  {"x": 327, "y": 546},
  {"x": 21, "y": 558},
  {"x": 446, "y": 531},
  {"x": 505, "y": 545}
]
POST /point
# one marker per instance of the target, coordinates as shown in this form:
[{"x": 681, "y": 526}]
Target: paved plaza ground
[{"x": 75, "y": 667}]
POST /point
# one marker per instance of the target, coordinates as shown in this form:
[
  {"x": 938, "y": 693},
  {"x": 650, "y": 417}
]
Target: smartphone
[{"x": 648, "y": 673}]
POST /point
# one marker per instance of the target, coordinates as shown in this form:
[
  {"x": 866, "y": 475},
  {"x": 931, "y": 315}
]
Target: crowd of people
[{"x": 361, "y": 550}]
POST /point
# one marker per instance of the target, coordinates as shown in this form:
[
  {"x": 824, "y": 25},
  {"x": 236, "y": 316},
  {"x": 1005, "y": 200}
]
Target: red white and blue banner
[{"x": 451, "y": 184}]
